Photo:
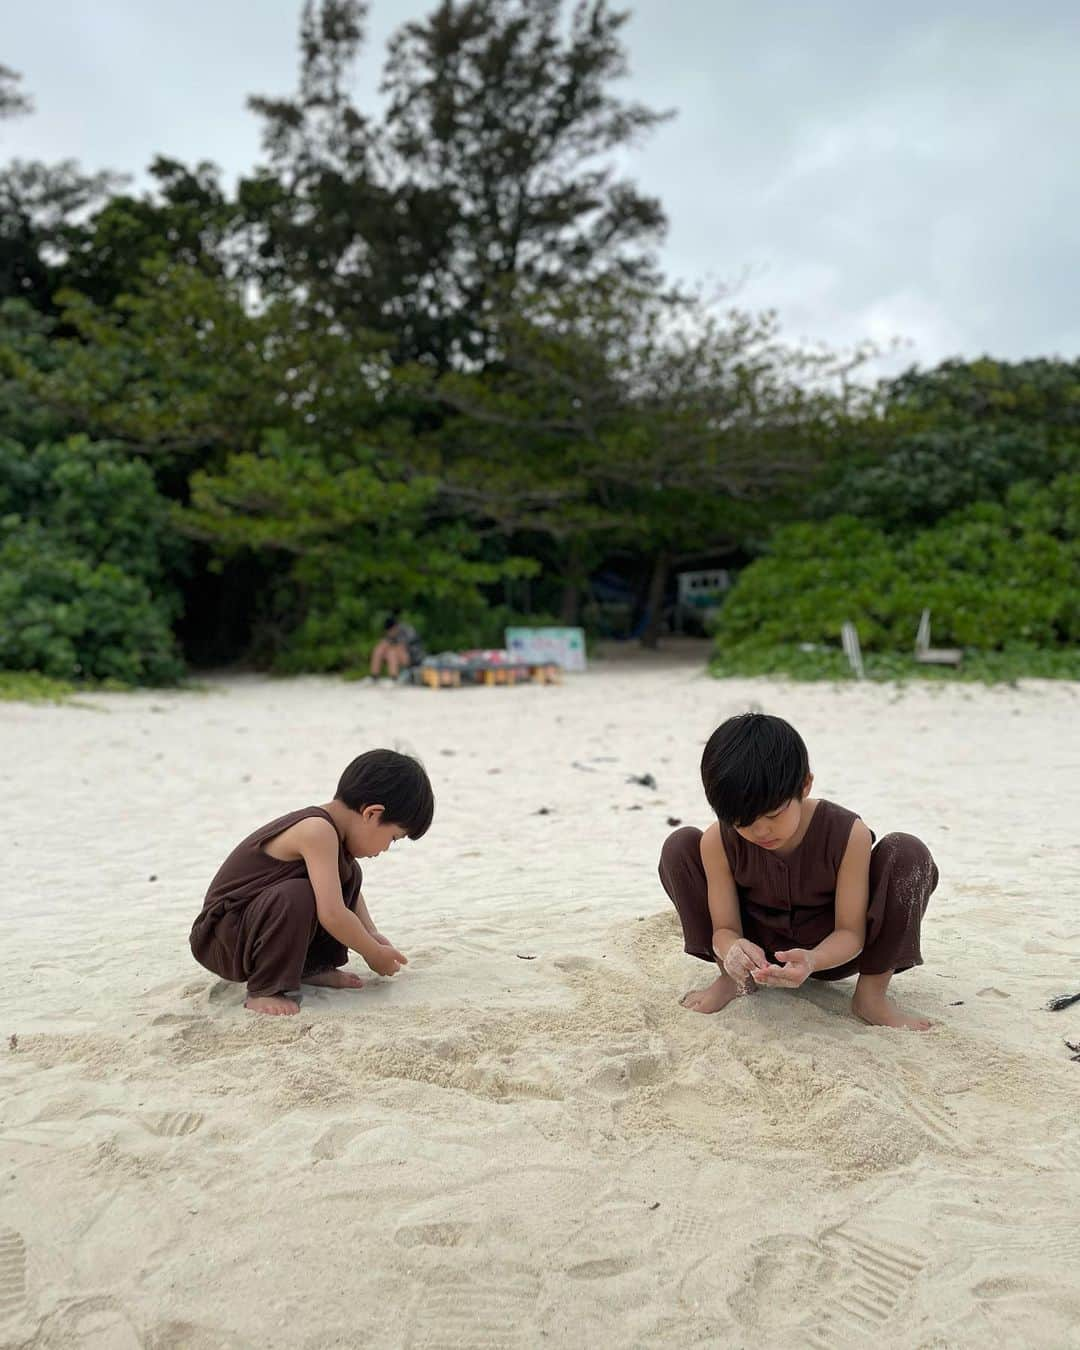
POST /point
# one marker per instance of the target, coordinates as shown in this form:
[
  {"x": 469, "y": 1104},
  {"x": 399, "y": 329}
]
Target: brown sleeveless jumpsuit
[
  {"x": 790, "y": 901},
  {"x": 258, "y": 921}
]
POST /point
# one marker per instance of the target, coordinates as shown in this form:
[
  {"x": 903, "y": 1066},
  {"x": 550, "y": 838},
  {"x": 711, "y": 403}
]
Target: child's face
[
  {"x": 368, "y": 836},
  {"x": 776, "y": 827}
]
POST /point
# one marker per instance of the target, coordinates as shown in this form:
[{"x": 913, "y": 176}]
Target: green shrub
[
  {"x": 95, "y": 500},
  {"x": 85, "y": 546},
  {"x": 71, "y": 619},
  {"x": 995, "y": 578}
]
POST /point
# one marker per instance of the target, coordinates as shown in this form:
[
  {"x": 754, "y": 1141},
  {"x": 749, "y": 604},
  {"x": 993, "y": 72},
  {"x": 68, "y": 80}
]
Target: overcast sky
[{"x": 873, "y": 170}]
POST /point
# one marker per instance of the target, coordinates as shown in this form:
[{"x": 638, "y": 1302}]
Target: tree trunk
[
  {"x": 654, "y": 605},
  {"x": 573, "y": 578}
]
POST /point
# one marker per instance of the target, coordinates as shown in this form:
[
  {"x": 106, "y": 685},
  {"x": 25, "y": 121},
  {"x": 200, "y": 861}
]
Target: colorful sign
[{"x": 564, "y": 647}]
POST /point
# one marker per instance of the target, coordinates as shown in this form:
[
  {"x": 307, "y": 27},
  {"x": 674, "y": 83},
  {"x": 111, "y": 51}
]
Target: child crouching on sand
[
  {"x": 286, "y": 905},
  {"x": 785, "y": 887}
]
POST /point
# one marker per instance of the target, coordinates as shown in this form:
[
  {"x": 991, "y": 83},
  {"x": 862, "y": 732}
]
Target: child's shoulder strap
[
  {"x": 835, "y": 829},
  {"x": 275, "y": 827},
  {"x": 836, "y": 814}
]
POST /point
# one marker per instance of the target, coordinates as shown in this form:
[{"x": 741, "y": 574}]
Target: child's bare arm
[
  {"x": 364, "y": 915},
  {"x": 852, "y": 896},
  {"x": 736, "y": 954},
  {"x": 317, "y": 843}
]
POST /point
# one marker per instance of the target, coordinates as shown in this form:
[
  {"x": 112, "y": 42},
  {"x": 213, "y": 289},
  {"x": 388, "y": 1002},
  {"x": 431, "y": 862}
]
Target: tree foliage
[
  {"x": 987, "y": 392},
  {"x": 41, "y": 210},
  {"x": 493, "y": 166},
  {"x": 991, "y": 575},
  {"x": 86, "y": 565},
  {"x": 929, "y": 474},
  {"x": 625, "y": 416},
  {"x": 423, "y": 358}
]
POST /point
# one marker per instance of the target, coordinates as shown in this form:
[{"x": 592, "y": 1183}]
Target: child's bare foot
[
  {"x": 273, "y": 1004},
  {"x": 880, "y": 1011},
  {"x": 713, "y": 998},
  {"x": 334, "y": 979}
]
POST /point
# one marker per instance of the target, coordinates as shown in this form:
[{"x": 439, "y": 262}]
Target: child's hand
[
  {"x": 796, "y": 968},
  {"x": 386, "y": 960},
  {"x": 742, "y": 959}
]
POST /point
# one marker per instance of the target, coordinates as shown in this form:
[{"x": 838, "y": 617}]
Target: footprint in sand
[
  {"x": 790, "y": 1278},
  {"x": 991, "y": 992},
  {"x": 572, "y": 965},
  {"x": 433, "y": 1234},
  {"x": 12, "y": 1274},
  {"x": 991, "y": 1229},
  {"x": 876, "y": 1278},
  {"x": 555, "y": 1199},
  {"x": 335, "y": 1141},
  {"x": 188, "y": 1336},
  {"x": 604, "y": 1268},
  {"x": 96, "y": 1323},
  {"x": 172, "y": 1124},
  {"x": 483, "y": 1317},
  {"x": 693, "y": 1227},
  {"x": 1018, "y": 1304},
  {"x": 936, "y": 1120}
]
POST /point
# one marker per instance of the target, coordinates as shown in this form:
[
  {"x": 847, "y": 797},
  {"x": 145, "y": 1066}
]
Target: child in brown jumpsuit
[
  {"x": 785, "y": 887},
  {"x": 285, "y": 905}
]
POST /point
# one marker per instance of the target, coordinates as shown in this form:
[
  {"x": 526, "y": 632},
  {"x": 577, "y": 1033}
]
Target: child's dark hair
[
  {"x": 391, "y": 621},
  {"x": 752, "y": 764},
  {"x": 397, "y": 782}
]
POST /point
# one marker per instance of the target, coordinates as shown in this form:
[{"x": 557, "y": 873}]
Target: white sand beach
[{"x": 522, "y": 1140}]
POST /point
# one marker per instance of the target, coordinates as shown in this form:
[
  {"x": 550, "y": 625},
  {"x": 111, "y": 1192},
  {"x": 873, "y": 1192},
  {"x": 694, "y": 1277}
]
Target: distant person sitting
[{"x": 399, "y": 648}]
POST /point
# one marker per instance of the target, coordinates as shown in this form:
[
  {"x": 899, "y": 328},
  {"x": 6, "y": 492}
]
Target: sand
[{"x": 523, "y": 1140}]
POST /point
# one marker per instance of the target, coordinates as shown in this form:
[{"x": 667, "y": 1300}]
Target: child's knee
[
  {"x": 293, "y": 902},
  {"x": 902, "y": 847},
  {"x": 907, "y": 858},
  {"x": 681, "y": 845}
]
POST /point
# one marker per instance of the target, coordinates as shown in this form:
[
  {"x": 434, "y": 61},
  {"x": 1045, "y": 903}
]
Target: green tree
[
  {"x": 928, "y": 474},
  {"x": 27, "y": 354},
  {"x": 38, "y": 205},
  {"x": 494, "y": 163},
  {"x": 187, "y": 375},
  {"x": 360, "y": 538},
  {"x": 185, "y": 220},
  {"x": 62, "y": 227},
  {"x": 961, "y": 432},
  {"x": 625, "y": 418},
  {"x": 86, "y": 564},
  {"x": 325, "y": 220},
  {"x": 1002, "y": 393},
  {"x": 184, "y": 370}
]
